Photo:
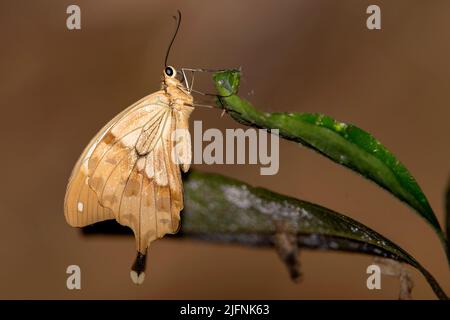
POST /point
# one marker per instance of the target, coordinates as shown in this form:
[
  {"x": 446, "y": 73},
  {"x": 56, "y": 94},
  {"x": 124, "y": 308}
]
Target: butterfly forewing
[{"x": 127, "y": 173}]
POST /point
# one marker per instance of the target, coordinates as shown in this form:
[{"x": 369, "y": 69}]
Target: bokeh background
[{"x": 58, "y": 87}]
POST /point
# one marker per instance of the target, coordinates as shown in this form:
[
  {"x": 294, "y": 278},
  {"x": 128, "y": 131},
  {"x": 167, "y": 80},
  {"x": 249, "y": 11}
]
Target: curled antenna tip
[{"x": 178, "y": 20}]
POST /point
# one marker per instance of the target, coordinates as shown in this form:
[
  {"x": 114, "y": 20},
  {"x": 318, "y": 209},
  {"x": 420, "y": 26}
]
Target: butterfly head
[
  {"x": 170, "y": 77},
  {"x": 173, "y": 83},
  {"x": 174, "y": 87}
]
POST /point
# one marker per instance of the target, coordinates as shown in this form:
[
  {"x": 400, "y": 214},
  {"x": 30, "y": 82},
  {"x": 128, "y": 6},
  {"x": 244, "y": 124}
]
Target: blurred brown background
[{"x": 58, "y": 87}]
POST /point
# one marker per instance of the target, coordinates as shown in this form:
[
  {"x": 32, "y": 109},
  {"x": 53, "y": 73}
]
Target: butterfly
[{"x": 130, "y": 171}]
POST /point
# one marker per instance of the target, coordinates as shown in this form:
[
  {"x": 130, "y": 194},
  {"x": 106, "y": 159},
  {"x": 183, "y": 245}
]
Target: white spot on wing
[
  {"x": 80, "y": 206},
  {"x": 130, "y": 139},
  {"x": 140, "y": 164},
  {"x": 161, "y": 177},
  {"x": 149, "y": 167}
]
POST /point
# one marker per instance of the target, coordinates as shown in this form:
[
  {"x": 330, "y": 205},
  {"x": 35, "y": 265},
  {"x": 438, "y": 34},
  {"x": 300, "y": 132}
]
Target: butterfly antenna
[{"x": 174, "y": 36}]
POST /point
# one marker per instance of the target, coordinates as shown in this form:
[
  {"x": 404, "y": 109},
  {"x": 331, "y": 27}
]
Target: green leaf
[
  {"x": 343, "y": 143},
  {"x": 220, "y": 208}
]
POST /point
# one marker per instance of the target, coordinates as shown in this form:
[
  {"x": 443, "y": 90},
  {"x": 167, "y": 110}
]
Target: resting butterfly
[{"x": 130, "y": 171}]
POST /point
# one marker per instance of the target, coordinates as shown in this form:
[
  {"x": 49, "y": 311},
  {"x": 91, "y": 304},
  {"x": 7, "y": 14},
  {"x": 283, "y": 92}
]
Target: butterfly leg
[
  {"x": 190, "y": 87},
  {"x": 137, "y": 272}
]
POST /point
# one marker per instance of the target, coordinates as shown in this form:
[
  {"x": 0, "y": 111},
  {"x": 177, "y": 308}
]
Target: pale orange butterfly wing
[
  {"x": 81, "y": 205},
  {"x": 127, "y": 172}
]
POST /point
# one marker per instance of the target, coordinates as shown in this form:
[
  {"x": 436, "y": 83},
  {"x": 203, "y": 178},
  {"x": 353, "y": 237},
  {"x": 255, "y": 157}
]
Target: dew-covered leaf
[{"x": 223, "y": 209}]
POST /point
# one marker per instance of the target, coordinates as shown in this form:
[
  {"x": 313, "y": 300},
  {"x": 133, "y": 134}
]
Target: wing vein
[
  {"x": 109, "y": 149},
  {"x": 110, "y": 175},
  {"x": 123, "y": 191}
]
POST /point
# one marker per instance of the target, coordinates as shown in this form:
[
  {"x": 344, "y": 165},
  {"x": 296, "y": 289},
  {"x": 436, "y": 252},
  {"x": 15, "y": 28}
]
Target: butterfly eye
[{"x": 170, "y": 72}]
